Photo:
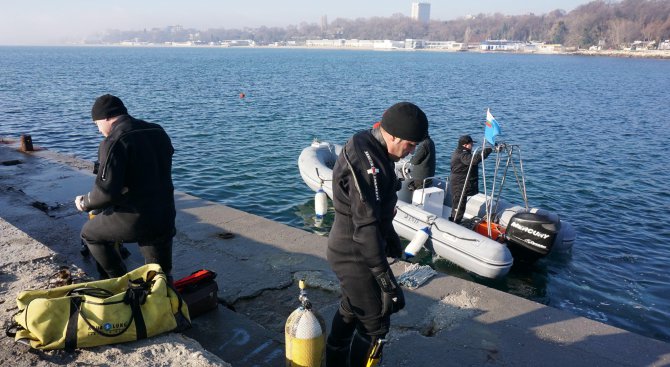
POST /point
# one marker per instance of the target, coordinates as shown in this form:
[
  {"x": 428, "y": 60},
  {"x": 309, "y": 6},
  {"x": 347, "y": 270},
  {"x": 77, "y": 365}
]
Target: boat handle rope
[
  {"x": 323, "y": 180},
  {"x": 432, "y": 223}
]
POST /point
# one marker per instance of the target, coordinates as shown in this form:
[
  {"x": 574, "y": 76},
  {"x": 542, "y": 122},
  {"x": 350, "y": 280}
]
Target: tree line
[{"x": 604, "y": 23}]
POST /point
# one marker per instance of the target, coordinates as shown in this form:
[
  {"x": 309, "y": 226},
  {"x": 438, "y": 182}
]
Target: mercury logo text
[{"x": 529, "y": 230}]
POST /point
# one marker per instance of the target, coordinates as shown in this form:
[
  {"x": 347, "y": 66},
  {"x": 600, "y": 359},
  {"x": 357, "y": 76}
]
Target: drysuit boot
[
  {"x": 125, "y": 253},
  {"x": 339, "y": 341},
  {"x": 346, "y": 346},
  {"x": 361, "y": 345},
  {"x": 159, "y": 252},
  {"x": 108, "y": 259}
]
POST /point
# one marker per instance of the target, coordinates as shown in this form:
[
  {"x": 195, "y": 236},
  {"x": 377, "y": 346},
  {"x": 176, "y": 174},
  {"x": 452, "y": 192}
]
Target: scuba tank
[
  {"x": 305, "y": 334},
  {"x": 375, "y": 353},
  {"x": 320, "y": 203},
  {"x": 417, "y": 242}
]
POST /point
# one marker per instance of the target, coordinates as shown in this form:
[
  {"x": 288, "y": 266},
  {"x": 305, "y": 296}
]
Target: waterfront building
[
  {"x": 502, "y": 45},
  {"x": 325, "y": 43},
  {"x": 445, "y": 45},
  {"x": 356, "y": 43}
]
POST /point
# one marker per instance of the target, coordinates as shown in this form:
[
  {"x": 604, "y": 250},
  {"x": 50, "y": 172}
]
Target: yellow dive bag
[{"x": 135, "y": 306}]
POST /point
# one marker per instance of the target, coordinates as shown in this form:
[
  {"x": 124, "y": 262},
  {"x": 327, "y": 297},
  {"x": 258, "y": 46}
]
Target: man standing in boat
[
  {"x": 423, "y": 164},
  {"x": 362, "y": 236},
  {"x": 133, "y": 189},
  {"x": 464, "y": 178}
]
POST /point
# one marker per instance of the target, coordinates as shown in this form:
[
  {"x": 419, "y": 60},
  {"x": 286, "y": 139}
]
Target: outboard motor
[{"x": 533, "y": 233}]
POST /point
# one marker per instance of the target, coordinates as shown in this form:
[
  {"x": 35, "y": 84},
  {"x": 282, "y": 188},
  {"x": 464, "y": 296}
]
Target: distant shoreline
[{"x": 644, "y": 54}]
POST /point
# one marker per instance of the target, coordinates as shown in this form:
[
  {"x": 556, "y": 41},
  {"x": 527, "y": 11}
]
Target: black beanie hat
[
  {"x": 107, "y": 106},
  {"x": 406, "y": 121},
  {"x": 465, "y": 139}
]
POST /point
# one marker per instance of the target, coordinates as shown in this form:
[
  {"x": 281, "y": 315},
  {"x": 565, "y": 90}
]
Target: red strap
[{"x": 195, "y": 278}]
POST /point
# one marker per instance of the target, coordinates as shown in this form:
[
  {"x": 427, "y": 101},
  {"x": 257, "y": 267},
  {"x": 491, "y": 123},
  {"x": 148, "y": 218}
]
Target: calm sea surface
[{"x": 593, "y": 132}]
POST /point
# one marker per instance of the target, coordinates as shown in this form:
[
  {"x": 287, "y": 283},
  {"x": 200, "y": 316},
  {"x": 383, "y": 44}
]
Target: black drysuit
[
  {"x": 134, "y": 190},
  {"x": 423, "y": 162},
  {"x": 460, "y": 165},
  {"x": 364, "y": 197}
]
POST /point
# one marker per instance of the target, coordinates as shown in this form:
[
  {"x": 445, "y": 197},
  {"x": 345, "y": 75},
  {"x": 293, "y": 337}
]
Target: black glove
[
  {"x": 411, "y": 186},
  {"x": 393, "y": 246},
  {"x": 393, "y": 299}
]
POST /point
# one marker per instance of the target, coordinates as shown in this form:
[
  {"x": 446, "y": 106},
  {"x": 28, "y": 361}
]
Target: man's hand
[
  {"x": 79, "y": 203},
  {"x": 393, "y": 299}
]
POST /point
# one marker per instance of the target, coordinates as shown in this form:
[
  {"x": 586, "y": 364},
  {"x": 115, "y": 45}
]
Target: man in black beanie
[
  {"x": 133, "y": 190},
  {"x": 362, "y": 236},
  {"x": 464, "y": 178}
]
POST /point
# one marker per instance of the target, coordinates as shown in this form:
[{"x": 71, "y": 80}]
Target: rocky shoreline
[{"x": 645, "y": 54}]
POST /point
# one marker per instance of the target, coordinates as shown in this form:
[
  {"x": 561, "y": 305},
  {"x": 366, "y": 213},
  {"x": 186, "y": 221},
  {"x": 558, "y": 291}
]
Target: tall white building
[
  {"x": 421, "y": 11},
  {"x": 324, "y": 23}
]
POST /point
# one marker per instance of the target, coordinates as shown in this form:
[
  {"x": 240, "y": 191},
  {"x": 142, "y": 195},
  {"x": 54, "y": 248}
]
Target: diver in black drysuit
[
  {"x": 134, "y": 190},
  {"x": 461, "y": 169},
  {"x": 423, "y": 164},
  {"x": 362, "y": 236}
]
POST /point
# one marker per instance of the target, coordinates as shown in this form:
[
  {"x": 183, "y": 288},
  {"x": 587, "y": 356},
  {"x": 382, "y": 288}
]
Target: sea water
[{"x": 593, "y": 133}]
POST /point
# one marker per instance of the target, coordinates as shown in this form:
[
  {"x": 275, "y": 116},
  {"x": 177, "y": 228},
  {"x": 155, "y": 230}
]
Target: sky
[{"x": 42, "y": 22}]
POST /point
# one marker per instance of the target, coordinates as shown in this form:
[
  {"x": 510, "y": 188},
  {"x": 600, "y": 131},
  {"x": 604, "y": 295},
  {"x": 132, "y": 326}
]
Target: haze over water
[{"x": 592, "y": 131}]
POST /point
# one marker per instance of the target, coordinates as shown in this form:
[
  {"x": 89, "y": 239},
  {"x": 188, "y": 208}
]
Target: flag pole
[{"x": 486, "y": 195}]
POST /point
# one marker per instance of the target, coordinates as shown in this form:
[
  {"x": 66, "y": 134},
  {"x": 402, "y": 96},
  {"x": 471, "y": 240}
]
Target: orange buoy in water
[{"x": 242, "y": 95}]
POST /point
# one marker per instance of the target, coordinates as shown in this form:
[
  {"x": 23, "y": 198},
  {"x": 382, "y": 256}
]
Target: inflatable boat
[{"x": 492, "y": 234}]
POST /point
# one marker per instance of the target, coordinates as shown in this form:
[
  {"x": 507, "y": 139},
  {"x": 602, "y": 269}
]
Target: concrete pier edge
[{"x": 447, "y": 321}]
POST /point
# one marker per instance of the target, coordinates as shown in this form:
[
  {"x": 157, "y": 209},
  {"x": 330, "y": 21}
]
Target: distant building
[
  {"x": 324, "y": 23},
  {"x": 411, "y": 43},
  {"x": 502, "y": 45},
  {"x": 549, "y": 48},
  {"x": 446, "y": 45},
  {"x": 356, "y": 43},
  {"x": 174, "y": 29},
  {"x": 421, "y": 12},
  {"x": 325, "y": 43}
]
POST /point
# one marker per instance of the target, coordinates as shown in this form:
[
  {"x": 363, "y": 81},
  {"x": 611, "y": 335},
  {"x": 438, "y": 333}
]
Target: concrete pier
[{"x": 447, "y": 321}]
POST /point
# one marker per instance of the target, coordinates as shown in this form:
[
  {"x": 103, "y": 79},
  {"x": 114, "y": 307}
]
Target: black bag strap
[
  {"x": 91, "y": 291},
  {"x": 71, "y": 328},
  {"x": 13, "y": 327},
  {"x": 182, "y": 322},
  {"x": 136, "y": 295}
]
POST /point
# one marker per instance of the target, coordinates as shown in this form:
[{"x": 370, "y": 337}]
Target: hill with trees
[{"x": 607, "y": 24}]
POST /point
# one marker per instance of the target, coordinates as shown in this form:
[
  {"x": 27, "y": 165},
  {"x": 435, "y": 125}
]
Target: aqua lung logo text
[
  {"x": 108, "y": 327},
  {"x": 530, "y": 231}
]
